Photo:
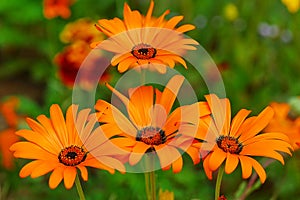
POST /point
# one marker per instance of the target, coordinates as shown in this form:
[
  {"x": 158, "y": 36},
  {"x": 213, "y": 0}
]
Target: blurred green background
[{"x": 255, "y": 44}]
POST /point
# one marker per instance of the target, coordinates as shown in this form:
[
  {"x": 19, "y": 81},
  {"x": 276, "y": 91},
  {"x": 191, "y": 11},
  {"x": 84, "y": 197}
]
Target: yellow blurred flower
[
  {"x": 231, "y": 12},
  {"x": 292, "y": 5},
  {"x": 166, "y": 195}
]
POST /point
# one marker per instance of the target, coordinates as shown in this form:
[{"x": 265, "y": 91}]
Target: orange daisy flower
[
  {"x": 149, "y": 127},
  {"x": 285, "y": 123},
  {"x": 238, "y": 140},
  {"x": 145, "y": 40},
  {"x": 64, "y": 145},
  {"x": 54, "y": 8},
  {"x": 8, "y": 124}
]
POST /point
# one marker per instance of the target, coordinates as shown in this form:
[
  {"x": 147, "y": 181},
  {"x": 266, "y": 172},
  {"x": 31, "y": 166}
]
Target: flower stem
[
  {"x": 150, "y": 182},
  {"x": 153, "y": 185},
  {"x": 79, "y": 188},
  {"x": 218, "y": 183}
]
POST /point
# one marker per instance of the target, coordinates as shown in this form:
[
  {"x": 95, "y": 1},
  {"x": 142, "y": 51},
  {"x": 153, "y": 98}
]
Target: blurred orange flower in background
[
  {"x": 55, "y": 8},
  {"x": 79, "y": 34},
  {"x": 237, "y": 140},
  {"x": 61, "y": 145},
  {"x": 284, "y": 121},
  {"x": 8, "y": 125},
  {"x": 145, "y": 40}
]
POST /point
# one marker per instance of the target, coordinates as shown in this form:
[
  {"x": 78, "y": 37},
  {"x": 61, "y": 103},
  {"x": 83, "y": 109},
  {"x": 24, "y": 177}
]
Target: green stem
[
  {"x": 147, "y": 185},
  {"x": 150, "y": 182},
  {"x": 218, "y": 183},
  {"x": 79, "y": 188},
  {"x": 153, "y": 185}
]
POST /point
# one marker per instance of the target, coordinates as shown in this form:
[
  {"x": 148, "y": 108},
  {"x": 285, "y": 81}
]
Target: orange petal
[
  {"x": 177, "y": 165},
  {"x": 231, "y": 163},
  {"x": 221, "y": 113},
  {"x": 258, "y": 124},
  {"x": 43, "y": 169},
  {"x": 137, "y": 152},
  {"x": 125, "y": 64},
  {"x": 267, "y": 148},
  {"x": 171, "y": 90},
  {"x": 56, "y": 177},
  {"x": 171, "y": 23},
  {"x": 83, "y": 171},
  {"x": 237, "y": 121},
  {"x": 132, "y": 19},
  {"x": 93, "y": 162},
  {"x": 31, "y": 151},
  {"x": 119, "y": 58},
  {"x": 149, "y": 13},
  {"x": 216, "y": 159},
  {"x": 185, "y": 28},
  {"x": 50, "y": 132},
  {"x": 158, "y": 116},
  {"x": 207, "y": 170},
  {"x": 110, "y": 114},
  {"x": 28, "y": 168},
  {"x": 113, "y": 163},
  {"x": 69, "y": 177},
  {"x": 59, "y": 124},
  {"x": 194, "y": 154},
  {"x": 36, "y": 138},
  {"x": 259, "y": 169},
  {"x": 246, "y": 166},
  {"x": 140, "y": 105},
  {"x": 70, "y": 119},
  {"x": 167, "y": 155}
]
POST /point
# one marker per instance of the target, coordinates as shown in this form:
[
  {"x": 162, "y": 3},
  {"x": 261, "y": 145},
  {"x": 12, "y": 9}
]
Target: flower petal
[
  {"x": 69, "y": 177},
  {"x": 56, "y": 177},
  {"x": 171, "y": 90},
  {"x": 29, "y": 167},
  {"x": 231, "y": 163},
  {"x": 44, "y": 168},
  {"x": 216, "y": 159},
  {"x": 83, "y": 171},
  {"x": 258, "y": 124},
  {"x": 246, "y": 166}
]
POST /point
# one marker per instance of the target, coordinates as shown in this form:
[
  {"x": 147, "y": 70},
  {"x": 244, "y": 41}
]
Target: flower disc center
[
  {"x": 151, "y": 136},
  {"x": 143, "y": 51},
  {"x": 72, "y": 155},
  {"x": 229, "y": 144}
]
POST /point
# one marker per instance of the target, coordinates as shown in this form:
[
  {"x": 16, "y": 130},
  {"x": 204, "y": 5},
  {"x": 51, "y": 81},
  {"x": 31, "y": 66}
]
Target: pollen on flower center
[
  {"x": 151, "y": 136},
  {"x": 229, "y": 144},
  {"x": 72, "y": 155},
  {"x": 143, "y": 51}
]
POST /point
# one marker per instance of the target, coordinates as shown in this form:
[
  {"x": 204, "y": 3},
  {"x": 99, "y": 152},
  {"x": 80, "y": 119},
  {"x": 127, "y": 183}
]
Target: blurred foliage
[{"x": 255, "y": 44}]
